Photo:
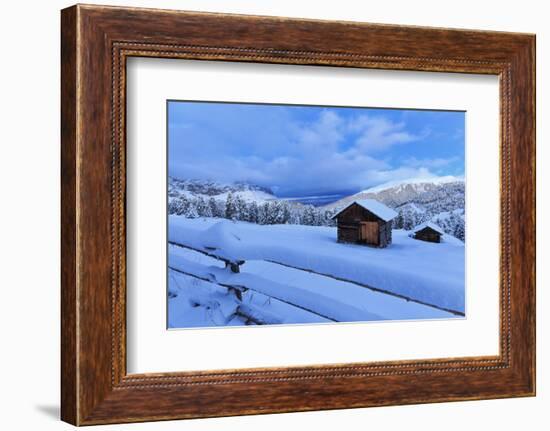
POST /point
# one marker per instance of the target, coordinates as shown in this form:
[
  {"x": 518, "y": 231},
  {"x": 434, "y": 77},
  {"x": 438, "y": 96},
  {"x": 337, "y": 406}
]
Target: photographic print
[{"x": 296, "y": 214}]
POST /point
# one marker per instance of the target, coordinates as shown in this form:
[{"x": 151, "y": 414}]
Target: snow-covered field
[{"x": 300, "y": 274}]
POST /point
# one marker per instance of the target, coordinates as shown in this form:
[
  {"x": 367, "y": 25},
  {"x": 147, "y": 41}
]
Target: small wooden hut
[
  {"x": 428, "y": 231},
  {"x": 365, "y": 221}
]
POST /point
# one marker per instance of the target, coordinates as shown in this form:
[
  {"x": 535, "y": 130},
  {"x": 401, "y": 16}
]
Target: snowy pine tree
[
  {"x": 241, "y": 209},
  {"x": 276, "y": 210},
  {"x": 178, "y": 206},
  {"x": 308, "y": 216},
  {"x": 398, "y": 221},
  {"x": 253, "y": 212},
  {"x": 459, "y": 231},
  {"x": 263, "y": 213},
  {"x": 203, "y": 209},
  {"x": 214, "y": 208},
  {"x": 286, "y": 213},
  {"x": 173, "y": 206},
  {"x": 230, "y": 208},
  {"x": 191, "y": 210}
]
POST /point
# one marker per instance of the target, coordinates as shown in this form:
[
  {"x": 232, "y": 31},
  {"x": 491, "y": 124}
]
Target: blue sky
[{"x": 309, "y": 150}]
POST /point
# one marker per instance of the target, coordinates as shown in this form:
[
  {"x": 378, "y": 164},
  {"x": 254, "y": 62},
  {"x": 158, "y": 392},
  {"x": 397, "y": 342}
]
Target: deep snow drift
[{"x": 275, "y": 286}]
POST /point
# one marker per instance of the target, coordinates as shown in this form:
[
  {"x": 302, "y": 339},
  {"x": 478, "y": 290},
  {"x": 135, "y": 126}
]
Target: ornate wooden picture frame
[{"x": 96, "y": 41}]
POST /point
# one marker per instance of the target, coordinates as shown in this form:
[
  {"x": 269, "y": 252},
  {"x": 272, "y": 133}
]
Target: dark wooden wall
[
  {"x": 428, "y": 234},
  {"x": 348, "y": 233},
  {"x": 385, "y": 233}
]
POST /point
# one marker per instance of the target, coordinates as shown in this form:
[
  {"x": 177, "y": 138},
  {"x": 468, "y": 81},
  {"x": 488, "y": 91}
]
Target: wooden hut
[
  {"x": 428, "y": 232},
  {"x": 365, "y": 221}
]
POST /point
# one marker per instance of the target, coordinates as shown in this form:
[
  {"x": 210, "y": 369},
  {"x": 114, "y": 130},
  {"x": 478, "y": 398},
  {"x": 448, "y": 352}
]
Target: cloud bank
[{"x": 309, "y": 150}]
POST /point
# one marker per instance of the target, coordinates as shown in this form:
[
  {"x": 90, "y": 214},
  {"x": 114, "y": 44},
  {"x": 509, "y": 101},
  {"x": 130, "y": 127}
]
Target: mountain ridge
[
  {"x": 395, "y": 194},
  {"x": 414, "y": 180},
  {"x": 192, "y": 188}
]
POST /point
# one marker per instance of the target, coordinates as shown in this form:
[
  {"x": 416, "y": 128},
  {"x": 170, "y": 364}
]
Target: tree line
[{"x": 234, "y": 207}]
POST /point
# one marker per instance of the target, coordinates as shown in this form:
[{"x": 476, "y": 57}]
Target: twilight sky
[{"x": 309, "y": 150}]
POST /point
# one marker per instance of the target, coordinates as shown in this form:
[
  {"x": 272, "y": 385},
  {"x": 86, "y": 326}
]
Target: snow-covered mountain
[
  {"x": 219, "y": 191},
  {"x": 397, "y": 193},
  {"x": 418, "y": 183}
]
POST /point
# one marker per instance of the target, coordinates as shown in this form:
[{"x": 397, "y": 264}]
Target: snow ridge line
[
  {"x": 241, "y": 287},
  {"x": 375, "y": 289}
]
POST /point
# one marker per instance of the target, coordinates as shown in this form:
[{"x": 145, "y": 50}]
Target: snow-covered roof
[
  {"x": 375, "y": 207},
  {"x": 430, "y": 225}
]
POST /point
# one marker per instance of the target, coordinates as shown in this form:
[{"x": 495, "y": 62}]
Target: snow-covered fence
[
  {"x": 238, "y": 289},
  {"x": 234, "y": 265},
  {"x": 274, "y": 290}
]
